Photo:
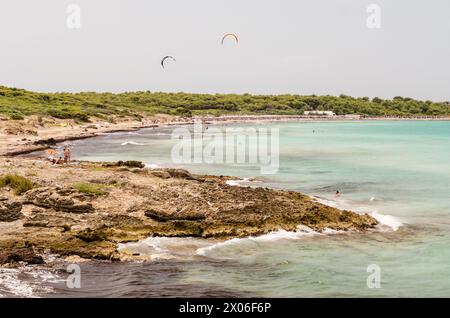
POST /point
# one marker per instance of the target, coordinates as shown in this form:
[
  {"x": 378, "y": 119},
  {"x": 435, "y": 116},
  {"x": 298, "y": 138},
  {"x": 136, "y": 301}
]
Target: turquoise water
[{"x": 395, "y": 169}]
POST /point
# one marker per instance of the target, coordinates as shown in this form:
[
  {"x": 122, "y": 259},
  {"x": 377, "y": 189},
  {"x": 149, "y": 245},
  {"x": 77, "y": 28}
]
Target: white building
[
  {"x": 351, "y": 116},
  {"x": 319, "y": 113}
]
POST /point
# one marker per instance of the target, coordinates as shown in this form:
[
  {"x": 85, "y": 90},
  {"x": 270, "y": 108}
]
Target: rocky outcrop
[
  {"x": 129, "y": 164},
  {"x": 10, "y": 211},
  {"x": 65, "y": 219},
  {"x": 16, "y": 255},
  {"x": 173, "y": 173},
  {"x": 59, "y": 199},
  {"x": 163, "y": 216},
  {"x": 180, "y": 174}
]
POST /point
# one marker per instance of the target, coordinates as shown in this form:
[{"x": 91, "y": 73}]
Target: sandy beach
[{"x": 29, "y": 135}]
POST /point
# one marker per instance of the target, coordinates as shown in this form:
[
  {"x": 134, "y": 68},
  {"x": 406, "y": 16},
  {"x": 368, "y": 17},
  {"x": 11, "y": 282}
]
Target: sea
[{"x": 397, "y": 171}]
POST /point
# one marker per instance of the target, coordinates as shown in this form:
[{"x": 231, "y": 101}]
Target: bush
[
  {"x": 81, "y": 117},
  {"x": 90, "y": 188},
  {"x": 181, "y": 111},
  {"x": 18, "y": 183},
  {"x": 16, "y": 116},
  {"x": 81, "y": 106}
]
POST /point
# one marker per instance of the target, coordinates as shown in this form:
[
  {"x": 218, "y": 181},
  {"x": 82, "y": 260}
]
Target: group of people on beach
[{"x": 53, "y": 156}]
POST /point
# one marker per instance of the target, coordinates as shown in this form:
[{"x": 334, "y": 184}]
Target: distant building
[
  {"x": 319, "y": 113},
  {"x": 352, "y": 116}
]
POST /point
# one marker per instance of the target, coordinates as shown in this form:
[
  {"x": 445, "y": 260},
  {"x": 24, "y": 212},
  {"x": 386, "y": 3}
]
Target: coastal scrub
[
  {"x": 90, "y": 188},
  {"x": 16, "y": 182}
]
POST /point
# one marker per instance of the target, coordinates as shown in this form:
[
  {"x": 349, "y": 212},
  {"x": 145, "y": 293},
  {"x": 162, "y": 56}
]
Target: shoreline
[
  {"x": 42, "y": 138},
  {"x": 135, "y": 222},
  {"x": 129, "y": 204}
]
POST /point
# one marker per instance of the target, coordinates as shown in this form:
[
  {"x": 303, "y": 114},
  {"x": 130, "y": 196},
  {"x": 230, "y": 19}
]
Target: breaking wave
[
  {"x": 385, "y": 220},
  {"x": 126, "y": 143},
  {"x": 157, "y": 248},
  {"x": 27, "y": 281},
  {"x": 239, "y": 182}
]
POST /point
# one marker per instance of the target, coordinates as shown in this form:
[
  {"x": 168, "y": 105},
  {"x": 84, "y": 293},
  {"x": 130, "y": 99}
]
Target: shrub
[
  {"x": 90, "y": 188},
  {"x": 181, "y": 111},
  {"x": 18, "y": 183},
  {"x": 16, "y": 116}
]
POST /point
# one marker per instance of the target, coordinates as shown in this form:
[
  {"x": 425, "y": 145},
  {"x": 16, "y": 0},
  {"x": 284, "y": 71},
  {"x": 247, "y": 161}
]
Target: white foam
[
  {"x": 238, "y": 182},
  {"x": 387, "y": 220},
  {"x": 25, "y": 281},
  {"x": 152, "y": 166},
  {"x": 233, "y": 183},
  {"x": 10, "y": 283},
  {"x": 270, "y": 237},
  {"x": 155, "y": 248},
  {"x": 126, "y": 143}
]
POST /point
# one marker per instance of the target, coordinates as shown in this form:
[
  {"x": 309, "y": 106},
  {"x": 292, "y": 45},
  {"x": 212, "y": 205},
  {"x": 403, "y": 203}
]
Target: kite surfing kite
[
  {"x": 166, "y": 58},
  {"x": 230, "y": 35}
]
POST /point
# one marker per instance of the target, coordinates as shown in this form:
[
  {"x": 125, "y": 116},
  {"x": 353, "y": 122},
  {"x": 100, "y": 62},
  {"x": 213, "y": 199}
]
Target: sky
[{"x": 285, "y": 46}]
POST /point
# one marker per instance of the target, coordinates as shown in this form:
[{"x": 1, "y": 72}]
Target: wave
[
  {"x": 126, "y": 143},
  {"x": 384, "y": 219},
  {"x": 270, "y": 237},
  {"x": 158, "y": 248},
  {"x": 26, "y": 281},
  {"x": 238, "y": 182},
  {"x": 162, "y": 134},
  {"x": 153, "y": 166},
  {"x": 387, "y": 220}
]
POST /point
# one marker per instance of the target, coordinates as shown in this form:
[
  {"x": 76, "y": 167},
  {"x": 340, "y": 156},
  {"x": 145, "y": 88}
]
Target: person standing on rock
[{"x": 67, "y": 155}]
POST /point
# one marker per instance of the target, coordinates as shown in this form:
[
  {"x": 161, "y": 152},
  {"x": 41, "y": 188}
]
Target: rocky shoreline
[{"x": 86, "y": 209}]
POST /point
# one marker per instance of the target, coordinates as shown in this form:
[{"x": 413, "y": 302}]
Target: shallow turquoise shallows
[{"x": 399, "y": 171}]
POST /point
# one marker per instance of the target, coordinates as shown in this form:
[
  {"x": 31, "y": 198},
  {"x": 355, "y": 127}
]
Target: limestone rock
[
  {"x": 16, "y": 255},
  {"x": 165, "y": 216},
  {"x": 10, "y": 212},
  {"x": 65, "y": 200}
]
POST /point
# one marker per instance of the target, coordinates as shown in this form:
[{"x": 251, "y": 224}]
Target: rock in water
[
  {"x": 180, "y": 174},
  {"x": 16, "y": 255}
]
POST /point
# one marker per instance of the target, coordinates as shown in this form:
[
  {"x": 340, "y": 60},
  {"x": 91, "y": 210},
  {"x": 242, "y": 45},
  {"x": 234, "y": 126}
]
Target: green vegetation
[
  {"x": 90, "y": 188},
  {"x": 16, "y": 182},
  {"x": 17, "y": 103}
]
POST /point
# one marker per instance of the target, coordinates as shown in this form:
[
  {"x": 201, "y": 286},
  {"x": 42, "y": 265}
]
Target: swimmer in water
[{"x": 338, "y": 194}]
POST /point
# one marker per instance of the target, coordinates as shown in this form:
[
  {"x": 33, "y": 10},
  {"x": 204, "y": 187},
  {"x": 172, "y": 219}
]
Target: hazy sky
[{"x": 286, "y": 46}]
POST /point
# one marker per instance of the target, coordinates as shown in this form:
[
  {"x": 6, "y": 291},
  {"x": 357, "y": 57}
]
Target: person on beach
[
  {"x": 67, "y": 155},
  {"x": 52, "y": 155},
  {"x": 57, "y": 161}
]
